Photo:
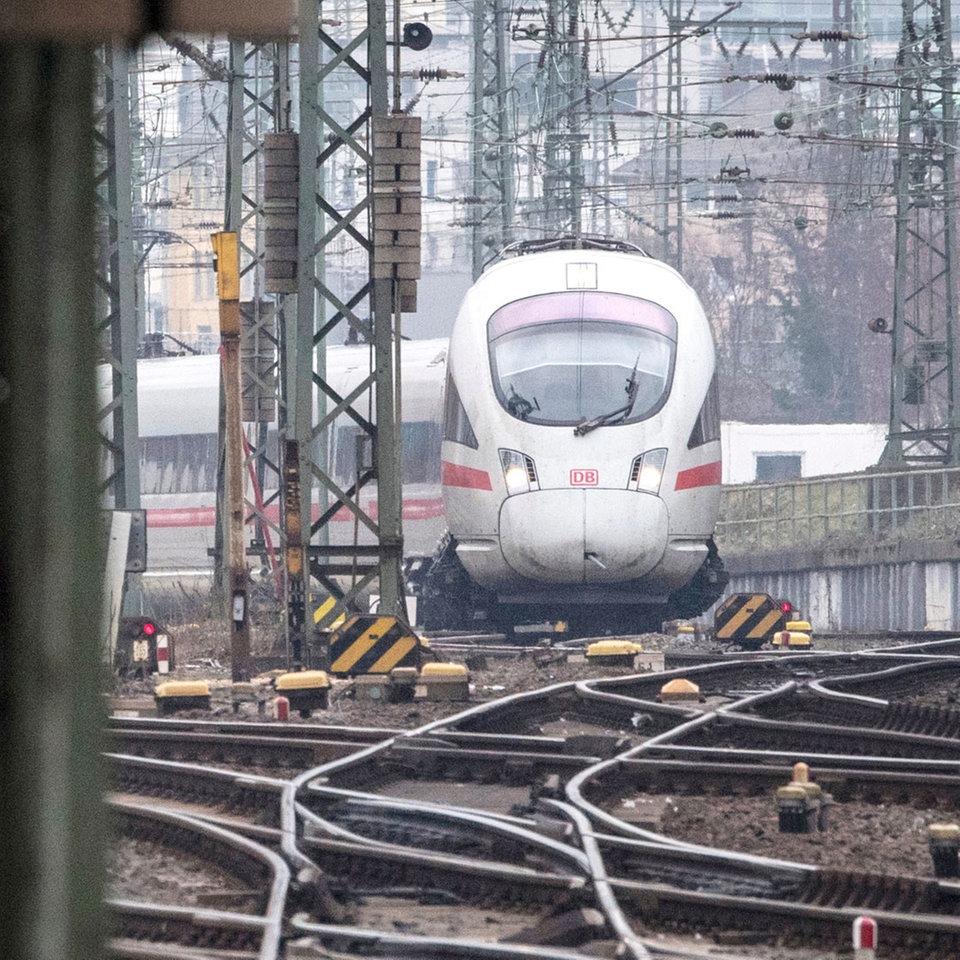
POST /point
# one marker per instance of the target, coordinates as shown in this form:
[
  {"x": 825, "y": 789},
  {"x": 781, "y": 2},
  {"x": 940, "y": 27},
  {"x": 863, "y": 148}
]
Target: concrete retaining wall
[{"x": 911, "y": 585}]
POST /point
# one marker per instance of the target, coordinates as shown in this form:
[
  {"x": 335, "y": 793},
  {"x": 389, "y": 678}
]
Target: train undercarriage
[{"x": 448, "y": 599}]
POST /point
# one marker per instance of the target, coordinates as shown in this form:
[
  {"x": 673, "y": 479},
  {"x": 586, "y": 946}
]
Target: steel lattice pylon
[
  {"x": 330, "y": 92},
  {"x": 117, "y": 270},
  {"x": 924, "y": 419},
  {"x": 493, "y": 149}
]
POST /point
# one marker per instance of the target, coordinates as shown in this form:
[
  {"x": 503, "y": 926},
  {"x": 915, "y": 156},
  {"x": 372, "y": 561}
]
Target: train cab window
[
  {"x": 564, "y": 357},
  {"x": 456, "y": 424},
  {"x": 707, "y": 427}
]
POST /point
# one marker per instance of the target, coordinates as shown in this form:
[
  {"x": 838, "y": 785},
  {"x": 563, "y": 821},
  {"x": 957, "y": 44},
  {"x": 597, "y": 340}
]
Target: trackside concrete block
[
  {"x": 307, "y": 690},
  {"x": 944, "y": 840},
  {"x": 613, "y": 653},
  {"x": 177, "y": 695},
  {"x": 445, "y": 681},
  {"x": 679, "y": 690}
]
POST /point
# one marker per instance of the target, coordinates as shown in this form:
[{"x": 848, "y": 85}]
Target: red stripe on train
[
  {"x": 707, "y": 475},
  {"x": 457, "y": 475},
  {"x": 182, "y": 517},
  {"x": 427, "y": 509}
]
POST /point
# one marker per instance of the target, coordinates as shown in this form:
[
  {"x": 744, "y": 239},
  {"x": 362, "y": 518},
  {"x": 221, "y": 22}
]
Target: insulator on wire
[
  {"x": 734, "y": 173},
  {"x": 826, "y": 36},
  {"x": 782, "y": 80},
  {"x": 744, "y": 133}
]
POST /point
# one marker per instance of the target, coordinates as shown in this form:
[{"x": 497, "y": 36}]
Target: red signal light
[
  {"x": 786, "y": 606},
  {"x": 149, "y": 628}
]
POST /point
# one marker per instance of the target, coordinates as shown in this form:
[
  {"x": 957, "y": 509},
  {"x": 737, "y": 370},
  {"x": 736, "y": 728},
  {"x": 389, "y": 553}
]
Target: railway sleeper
[
  {"x": 375, "y": 869},
  {"x": 930, "y": 721},
  {"x": 410, "y": 830},
  {"x": 183, "y": 928},
  {"x": 834, "y": 888},
  {"x": 905, "y": 936}
]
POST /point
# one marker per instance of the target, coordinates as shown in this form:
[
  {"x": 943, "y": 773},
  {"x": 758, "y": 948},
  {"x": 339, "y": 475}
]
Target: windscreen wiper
[
  {"x": 519, "y": 406},
  {"x": 615, "y": 416}
]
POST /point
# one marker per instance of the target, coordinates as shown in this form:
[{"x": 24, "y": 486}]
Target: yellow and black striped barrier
[
  {"x": 368, "y": 643},
  {"x": 749, "y": 619}
]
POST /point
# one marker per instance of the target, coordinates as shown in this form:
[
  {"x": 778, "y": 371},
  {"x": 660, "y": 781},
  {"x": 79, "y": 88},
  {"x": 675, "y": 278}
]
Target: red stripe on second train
[
  {"x": 707, "y": 475},
  {"x": 182, "y": 517},
  {"x": 423, "y": 509},
  {"x": 456, "y": 475}
]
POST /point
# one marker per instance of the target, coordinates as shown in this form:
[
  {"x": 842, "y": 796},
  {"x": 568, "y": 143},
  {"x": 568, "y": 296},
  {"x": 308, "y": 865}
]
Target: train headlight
[
  {"x": 647, "y": 471},
  {"x": 519, "y": 472}
]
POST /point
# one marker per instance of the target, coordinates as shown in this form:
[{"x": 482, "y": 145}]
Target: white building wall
[{"x": 823, "y": 448}]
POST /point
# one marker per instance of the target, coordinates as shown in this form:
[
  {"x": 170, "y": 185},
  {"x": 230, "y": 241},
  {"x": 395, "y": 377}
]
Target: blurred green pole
[{"x": 54, "y": 840}]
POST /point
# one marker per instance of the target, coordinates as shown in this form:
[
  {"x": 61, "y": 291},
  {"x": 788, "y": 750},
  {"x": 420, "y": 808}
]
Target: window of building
[{"x": 773, "y": 467}]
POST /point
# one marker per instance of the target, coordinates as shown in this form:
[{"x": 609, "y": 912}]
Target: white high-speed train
[
  {"x": 581, "y": 451},
  {"x": 179, "y": 401},
  {"x": 560, "y": 454}
]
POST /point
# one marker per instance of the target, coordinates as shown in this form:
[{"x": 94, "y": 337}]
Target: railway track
[
  {"x": 509, "y": 815},
  {"x": 252, "y": 928}
]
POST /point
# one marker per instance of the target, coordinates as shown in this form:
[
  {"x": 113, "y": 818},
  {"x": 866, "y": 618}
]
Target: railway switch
[{"x": 944, "y": 840}]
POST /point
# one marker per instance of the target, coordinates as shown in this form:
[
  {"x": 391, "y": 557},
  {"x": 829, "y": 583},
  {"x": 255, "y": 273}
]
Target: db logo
[{"x": 584, "y": 478}]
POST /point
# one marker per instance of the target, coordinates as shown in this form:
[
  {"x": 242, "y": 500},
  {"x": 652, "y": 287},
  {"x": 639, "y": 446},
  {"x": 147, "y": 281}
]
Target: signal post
[{"x": 227, "y": 264}]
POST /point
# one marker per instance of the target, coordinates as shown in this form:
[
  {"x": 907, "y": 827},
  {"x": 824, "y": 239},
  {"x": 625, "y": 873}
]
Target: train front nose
[{"x": 583, "y": 535}]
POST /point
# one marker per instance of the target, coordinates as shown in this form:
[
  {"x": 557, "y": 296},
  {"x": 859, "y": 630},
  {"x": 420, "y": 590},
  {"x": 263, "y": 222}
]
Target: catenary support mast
[{"x": 924, "y": 418}]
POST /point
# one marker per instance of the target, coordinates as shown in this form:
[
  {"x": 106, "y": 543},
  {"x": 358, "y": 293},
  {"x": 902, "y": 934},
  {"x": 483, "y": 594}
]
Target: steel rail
[
  {"x": 378, "y": 942},
  {"x": 601, "y": 883},
  {"x": 460, "y": 822},
  {"x": 268, "y": 926}
]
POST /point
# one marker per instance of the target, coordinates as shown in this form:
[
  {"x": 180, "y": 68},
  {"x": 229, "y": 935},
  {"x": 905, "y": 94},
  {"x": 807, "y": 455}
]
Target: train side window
[
  {"x": 419, "y": 453},
  {"x": 345, "y": 454},
  {"x": 186, "y": 463},
  {"x": 707, "y": 427},
  {"x": 456, "y": 425}
]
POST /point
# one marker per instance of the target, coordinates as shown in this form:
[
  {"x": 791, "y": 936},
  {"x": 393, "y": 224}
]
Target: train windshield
[{"x": 565, "y": 357}]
